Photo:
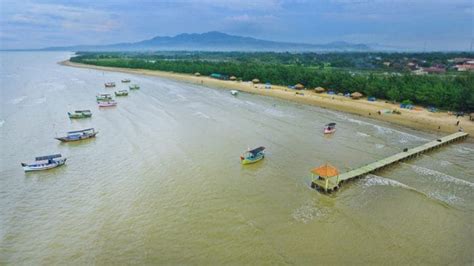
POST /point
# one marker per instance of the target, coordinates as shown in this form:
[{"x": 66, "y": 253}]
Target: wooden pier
[{"x": 330, "y": 184}]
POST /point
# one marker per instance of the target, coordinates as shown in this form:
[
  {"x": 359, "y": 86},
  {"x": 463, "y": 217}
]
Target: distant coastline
[{"x": 416, "y": 119}]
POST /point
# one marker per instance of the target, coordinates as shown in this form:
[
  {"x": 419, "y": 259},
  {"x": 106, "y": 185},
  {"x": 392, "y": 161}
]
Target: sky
[{"x": 406, "y": 24}]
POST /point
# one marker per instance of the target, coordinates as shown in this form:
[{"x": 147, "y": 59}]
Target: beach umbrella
[
  {"x": 299, "y": 86},
  {"x": 356, "y": 95},
  {"x": 232, "y": 78},
  {"x": 197, "y": 74},
  {"x": 319, "y": 90},
  {"x": 255, "y": 80}
]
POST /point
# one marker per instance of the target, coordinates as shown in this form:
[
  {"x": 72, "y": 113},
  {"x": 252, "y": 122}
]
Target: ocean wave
[
  {"x": 375, "y": 180},
  {"x": 18, "y": 100},
  {"x": 362, "y": 134},
  {"x": 441, "y": 176},
  {"x": 308, "y": 212},
  {"x": 40, "y": 100},
  {"x": 201, "y": 114},
  {"x": 2, "y": 122},
  {"x": 379, "y": 146},
  {"x": 447, "y": 198}
]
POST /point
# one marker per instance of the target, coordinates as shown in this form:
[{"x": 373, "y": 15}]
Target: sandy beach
[{"x": 417, "y": 119}]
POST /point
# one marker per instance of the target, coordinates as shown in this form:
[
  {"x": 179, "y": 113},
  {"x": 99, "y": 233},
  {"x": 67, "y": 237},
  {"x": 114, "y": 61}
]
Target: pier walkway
[{"x": 333, "y": 183}]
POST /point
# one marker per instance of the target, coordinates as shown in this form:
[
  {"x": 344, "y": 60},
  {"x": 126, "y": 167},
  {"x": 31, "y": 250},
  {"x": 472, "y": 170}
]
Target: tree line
[{"x": 450, "y": 92}]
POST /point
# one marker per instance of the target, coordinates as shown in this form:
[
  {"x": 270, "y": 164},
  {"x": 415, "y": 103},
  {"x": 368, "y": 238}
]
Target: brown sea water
[{"x": 162, "y": 182}]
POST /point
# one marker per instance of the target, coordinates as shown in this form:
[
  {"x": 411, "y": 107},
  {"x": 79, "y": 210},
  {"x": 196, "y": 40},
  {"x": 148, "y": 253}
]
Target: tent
[
  {"x": 299, "y": 86},
  {"x": 319, "y": 90},
  {"x": 197, "y": 74},
  {"x": 232, "y": 78},
  {"x": 356, "y": 95},
  {"x": 255, "y": 80}
]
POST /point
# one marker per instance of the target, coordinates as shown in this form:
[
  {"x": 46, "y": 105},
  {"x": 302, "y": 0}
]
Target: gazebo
[
  {"x": 255, "y": 81},
  {"x": 299, "y": 86},
  {"x": 232, "y": 78},
  {"x": 324, "y": 174},
  {"x": 319, "y": 90},
  {"x": 356, "y": 95}
]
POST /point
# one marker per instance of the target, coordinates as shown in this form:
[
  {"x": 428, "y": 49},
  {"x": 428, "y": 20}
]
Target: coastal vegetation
[{"x": 368, "y": 73}]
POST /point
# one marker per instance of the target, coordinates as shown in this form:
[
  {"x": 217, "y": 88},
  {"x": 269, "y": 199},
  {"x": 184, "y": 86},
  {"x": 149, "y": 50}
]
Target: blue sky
[{"x": 434, "y": 24}]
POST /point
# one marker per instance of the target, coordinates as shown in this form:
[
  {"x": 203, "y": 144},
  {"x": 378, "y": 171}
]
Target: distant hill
[{"x": 213, "y": 41}]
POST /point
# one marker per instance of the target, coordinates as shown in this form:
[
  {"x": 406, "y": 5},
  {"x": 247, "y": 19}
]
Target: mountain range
[{"x": 213, "y": 41}]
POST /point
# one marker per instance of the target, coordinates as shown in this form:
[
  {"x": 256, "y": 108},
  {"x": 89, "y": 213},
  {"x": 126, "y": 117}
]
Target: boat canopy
[
  {"x": 82, "y": 111},
  {"x": 80, "y": 131},
  {"x": 48, "y": 157},
  {"x": 256, "y": 150},
  {"x": 331, "y": 125},
  {"x": 325, "y": 171}
]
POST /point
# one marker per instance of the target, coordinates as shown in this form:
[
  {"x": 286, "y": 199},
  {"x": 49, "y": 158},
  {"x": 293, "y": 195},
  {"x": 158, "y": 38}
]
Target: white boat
[
  {"x": 330, "y": 128},
  {"x": 234, "y": 92},
  {"x": 110, "y": 103},
  {"x": 44, "y": 163}
]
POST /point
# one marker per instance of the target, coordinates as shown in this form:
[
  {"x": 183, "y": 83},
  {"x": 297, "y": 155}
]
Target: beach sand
[{"x": 422, "y": 119}]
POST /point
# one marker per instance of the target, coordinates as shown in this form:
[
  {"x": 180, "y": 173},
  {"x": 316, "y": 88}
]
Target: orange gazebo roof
[{"x": 325, "y": 171}]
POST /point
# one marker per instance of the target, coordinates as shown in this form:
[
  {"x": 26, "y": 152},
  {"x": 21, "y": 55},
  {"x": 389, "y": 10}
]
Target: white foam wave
[
  {"x": 441, "y": 176},
  {"x": 40, "y": 100},
  {"x": 465, "y": 150},
  {"x": 379, "y": 146},
  {"x": 308, "y": 212},
  {"x": 447, "y": 198},
  {"x": 375, "y": 180},
  {"x": 18, "y": 100},
  {"x": 2, "y": 122},
  {"x": 362, "y": 134},
  {"x": 201, "y": 114}
]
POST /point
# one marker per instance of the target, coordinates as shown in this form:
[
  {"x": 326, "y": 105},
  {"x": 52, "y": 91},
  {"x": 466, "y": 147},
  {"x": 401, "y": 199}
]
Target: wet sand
[{"x": 416, "y": 119}]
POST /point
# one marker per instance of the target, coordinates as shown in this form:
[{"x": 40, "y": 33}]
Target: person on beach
[{"x": 457, "y": 123}]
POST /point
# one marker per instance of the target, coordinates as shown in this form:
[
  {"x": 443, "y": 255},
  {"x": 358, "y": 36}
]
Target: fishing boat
[
  {"x": 80, "y": 114},
  {"x": 79, "y": 135},
  {"x": 234, "y": 92},
  {"x": 121, "y": 93},
  {"x": 109, "y": 84},
  {"x": 253, "y": 156},
  {"x": 103, "y": 97},
  {"x": 110, "y": 103},
  {"x": 134, "y": 87},
  {"x": 125, "y": 81},
  {"x": 330, "y": 128},
  {"x": 44, "y": 163}
]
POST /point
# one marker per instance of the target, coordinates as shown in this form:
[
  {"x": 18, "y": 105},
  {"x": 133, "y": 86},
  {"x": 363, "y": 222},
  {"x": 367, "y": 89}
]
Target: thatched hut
[
  {"x": 197, "y": 74},
  {"x": 232, "y": 78},
  {"x": 356, "y": 95},
  {"x": 255, "y": 81},
  {"x": 319, "y": 90},
  {"x": 299, "y": 86}
]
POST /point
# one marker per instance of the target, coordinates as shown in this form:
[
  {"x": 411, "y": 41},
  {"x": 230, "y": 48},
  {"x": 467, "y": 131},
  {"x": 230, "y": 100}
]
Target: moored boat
[
  {"x": 253, "y": 156},
  {"x": 79, "y": 135},
  {"x": 44, "y": 163},
  {"x": 109, "y": 84},
  {"x": 80, "y": 114},
  {"x": 125, "y": 81},
  {"x": 134, "y": 87},
  {"x": 121, "y": 93},
  {"x": 110, "y": 103},
  {"x": 234, "y": 92},
  {"x": 330, "y": 128},
  {"x": 103, "y": 97}
]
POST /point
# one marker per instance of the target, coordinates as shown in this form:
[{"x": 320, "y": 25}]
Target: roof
[
  {"x": 325, "y": 171},
  {"x": 79, "y": 131},
  {"x": 47, "y": 157},
  {"x": 257, "y": 150},
  {"x": 356, "y": 94}
]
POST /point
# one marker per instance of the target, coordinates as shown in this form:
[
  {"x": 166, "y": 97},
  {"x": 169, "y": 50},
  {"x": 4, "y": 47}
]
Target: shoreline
[{"x": 415, "y": 119}]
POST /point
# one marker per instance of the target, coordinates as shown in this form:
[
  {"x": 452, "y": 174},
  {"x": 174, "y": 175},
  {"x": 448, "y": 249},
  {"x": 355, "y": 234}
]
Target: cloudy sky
[{"x": 434, "y": 24}]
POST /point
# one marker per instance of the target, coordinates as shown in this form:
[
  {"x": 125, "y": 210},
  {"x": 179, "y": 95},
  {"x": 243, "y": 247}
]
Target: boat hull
[
  {"x": 329, "y": 131},
  {"x": 102, "y": 104},
  {"x": 42, "y": 167},
  {"x": 252, "y": 160},
  {"x": 78, "y": 116},
  {"x": 67, "y": 139}
]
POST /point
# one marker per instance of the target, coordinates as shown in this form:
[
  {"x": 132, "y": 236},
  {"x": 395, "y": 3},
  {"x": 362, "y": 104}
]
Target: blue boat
[{"x": 253, "y": 156}]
